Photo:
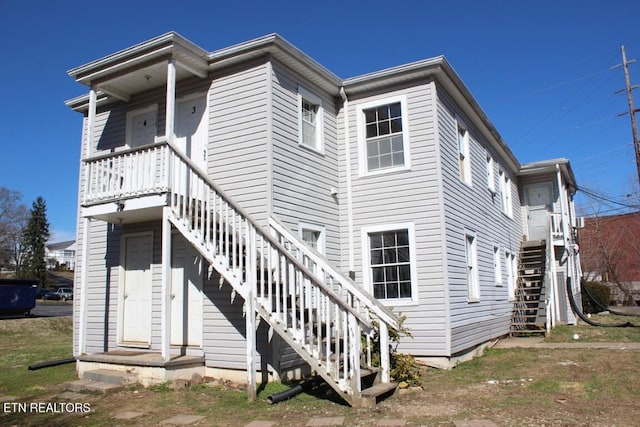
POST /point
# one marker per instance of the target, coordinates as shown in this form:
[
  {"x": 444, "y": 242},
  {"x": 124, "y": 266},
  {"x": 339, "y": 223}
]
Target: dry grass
[{"x": 511, "y": 387}]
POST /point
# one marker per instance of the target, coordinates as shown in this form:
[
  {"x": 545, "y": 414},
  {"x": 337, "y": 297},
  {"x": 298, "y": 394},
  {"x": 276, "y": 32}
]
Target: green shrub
[
  {"x": 601, "y": 293},
  {"x": 403, "y": 367}
]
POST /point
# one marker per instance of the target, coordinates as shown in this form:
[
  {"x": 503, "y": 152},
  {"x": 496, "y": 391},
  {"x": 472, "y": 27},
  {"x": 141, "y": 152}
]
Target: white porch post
[
  {"x": 82, "y": 320},
  {"x": 250, "y": 318},
  {"x": 166, "y": 225},
  {"x": 171, "y": 100},
  {"x": 91, "y": 120},
  {"x": 385, "y": 364},
  {"x": 166, "y": 285}
]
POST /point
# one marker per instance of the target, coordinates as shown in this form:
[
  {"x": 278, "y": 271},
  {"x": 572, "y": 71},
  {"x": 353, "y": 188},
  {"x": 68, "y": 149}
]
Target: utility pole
[{"x": 632, "y": 110}]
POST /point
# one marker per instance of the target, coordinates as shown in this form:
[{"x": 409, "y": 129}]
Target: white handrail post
[
  {"x": 385, "y": 365},
  {"x": 250, "y": 319}
]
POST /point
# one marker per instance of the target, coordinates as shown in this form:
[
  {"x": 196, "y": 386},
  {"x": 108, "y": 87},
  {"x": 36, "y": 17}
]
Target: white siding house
[{"x": 218, "y": 188}]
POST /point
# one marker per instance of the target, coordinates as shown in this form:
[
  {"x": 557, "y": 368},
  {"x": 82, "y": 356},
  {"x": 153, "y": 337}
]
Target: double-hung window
[
  {"x": 491, "y": 176},
  {"x": 512, "y": 266},
  {"x": 391, "y": 256},
  {"x": 505, "y": 193},
  {"x": 383, "y": 136},
  {"x": 464, "y": 158},
  {"x": 473, "y": 279},
  {"x": 310, "y": 120},
  {"x": 314, "y": 236},
  {"x": 497, "y": 265}
]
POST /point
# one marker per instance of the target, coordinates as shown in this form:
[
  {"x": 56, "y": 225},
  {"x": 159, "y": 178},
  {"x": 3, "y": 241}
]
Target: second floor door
[
  {"x": 539, "y": 202},
  {"x": 192, "y": 129}
]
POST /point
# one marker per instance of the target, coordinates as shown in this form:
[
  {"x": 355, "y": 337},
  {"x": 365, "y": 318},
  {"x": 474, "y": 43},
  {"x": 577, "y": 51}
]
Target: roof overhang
[
  {"x": 142, "y": 67},
  {"x": 439, "y": 70},
  {"x": 551, "y": 166}
]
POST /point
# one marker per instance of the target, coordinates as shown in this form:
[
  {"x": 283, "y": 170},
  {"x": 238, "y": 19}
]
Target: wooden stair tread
[{"x": 379, "y": 389}]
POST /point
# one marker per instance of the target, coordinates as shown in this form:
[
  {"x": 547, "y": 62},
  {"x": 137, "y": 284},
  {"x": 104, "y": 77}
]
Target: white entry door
[
  {"x": 136, "y": 289},
  {"x": 186, "y": 294},
  {"x": 192, "y": 129},
  {"x": 539, "y": 200}
]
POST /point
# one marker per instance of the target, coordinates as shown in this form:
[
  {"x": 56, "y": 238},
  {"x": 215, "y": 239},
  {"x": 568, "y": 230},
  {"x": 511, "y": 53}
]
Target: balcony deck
[{"x": 129, "y": 186}]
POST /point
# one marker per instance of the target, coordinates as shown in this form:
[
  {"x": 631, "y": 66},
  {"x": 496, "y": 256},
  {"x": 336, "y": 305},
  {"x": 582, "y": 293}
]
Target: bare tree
[
  {"x": 13, "y": 219},
  {"x": 610, "y": 251}
]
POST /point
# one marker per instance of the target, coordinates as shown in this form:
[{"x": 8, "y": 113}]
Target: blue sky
[{"x": 540, "y": 70}]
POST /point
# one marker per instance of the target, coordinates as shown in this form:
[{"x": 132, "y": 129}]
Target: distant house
[
  {"x": 61, "y": 254},
  {"x": 610, "y": 253},
  {"x": 246, "y": 210}
]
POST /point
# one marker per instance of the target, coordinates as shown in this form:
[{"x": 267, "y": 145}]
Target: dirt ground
[{"x": 511, "y": 387}]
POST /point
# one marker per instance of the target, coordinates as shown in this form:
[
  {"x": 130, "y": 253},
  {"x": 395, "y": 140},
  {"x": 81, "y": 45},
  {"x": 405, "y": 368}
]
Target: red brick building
[{"x": 610, "y": 251}]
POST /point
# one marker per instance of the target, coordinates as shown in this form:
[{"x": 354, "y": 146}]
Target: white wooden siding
[
  {"x": 303, "y": 178},
  {"x": 238, "y": 137},
  {"x": 474, "y": 208},
  {"x": 399, "y": 197}
]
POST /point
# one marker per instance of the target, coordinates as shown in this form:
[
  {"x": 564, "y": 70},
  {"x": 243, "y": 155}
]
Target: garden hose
[
  {"x": 581, "y": 315},
  {"x": 602, "y": 307}
]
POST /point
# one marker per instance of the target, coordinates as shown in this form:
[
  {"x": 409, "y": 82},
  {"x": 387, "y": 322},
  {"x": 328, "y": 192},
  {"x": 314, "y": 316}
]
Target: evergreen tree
[{"x": 35, "y": 238}]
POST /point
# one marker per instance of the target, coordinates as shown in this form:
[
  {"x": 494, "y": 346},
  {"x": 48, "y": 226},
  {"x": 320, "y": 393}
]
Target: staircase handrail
[
  {"x": 376, "y": 307},
  {"x": 266, "y": 236}
]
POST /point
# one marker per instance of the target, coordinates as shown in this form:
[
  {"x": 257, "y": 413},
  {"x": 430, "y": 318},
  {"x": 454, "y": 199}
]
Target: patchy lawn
[{"x": 511, "y": 387}]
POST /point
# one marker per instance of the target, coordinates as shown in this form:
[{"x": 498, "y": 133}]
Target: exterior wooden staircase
[
  {"x": 323, "y": 315},
  {"x": 528, "y": 315}
]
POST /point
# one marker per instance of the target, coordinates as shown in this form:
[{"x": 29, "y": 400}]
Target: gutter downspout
[{"x": 347, "y": 142}]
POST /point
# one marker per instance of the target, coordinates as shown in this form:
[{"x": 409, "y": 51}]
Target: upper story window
[
  {"x": 505, "y": 193},
  {"x": 464, "y": 157},
  {"x": 310, "y": 120},
  {"x": 383, "y": 136},
  {"x": 491, "y": 176}
]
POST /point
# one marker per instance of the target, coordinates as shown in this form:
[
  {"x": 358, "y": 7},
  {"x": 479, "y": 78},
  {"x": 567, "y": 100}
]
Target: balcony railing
[
  {"x": 557, "y": 231},
  {"x": 127, "y": 174}
]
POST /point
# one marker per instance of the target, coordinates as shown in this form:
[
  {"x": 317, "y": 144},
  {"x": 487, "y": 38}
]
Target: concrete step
[
  {"x": 110, "y": 377},
  {"x": 92, "y": 386}
]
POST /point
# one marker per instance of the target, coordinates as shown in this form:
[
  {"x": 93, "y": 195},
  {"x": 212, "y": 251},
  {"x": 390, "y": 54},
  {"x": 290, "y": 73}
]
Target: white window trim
[
  {"x": 473, "y": 287},
  {"x": 497, "y": 265},
  {"x": 362, "y": 139},
  {"x": 366, "y": 261},
  {"x": 316, "y": 100},
  {"x": 314, "y": 227},
  {"x": 129, "y": 121},
  {"x": 506, "y": 194},
  {"x": 491, "y": 174},
  {"x": 512, "y": 268},
  {"x": 465, "y": 175}
]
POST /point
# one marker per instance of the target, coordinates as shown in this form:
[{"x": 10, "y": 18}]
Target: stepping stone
[
  {"x": 72, "y": 395},
  {"x": 325, "y": 421},
  {"x": 259, "y": 423},
  {"x": 182, "y": 420},
  {"x": 474, "y": 423},
  {"x": 128, "y": 415},
  {"x": 391, "y": 423}
]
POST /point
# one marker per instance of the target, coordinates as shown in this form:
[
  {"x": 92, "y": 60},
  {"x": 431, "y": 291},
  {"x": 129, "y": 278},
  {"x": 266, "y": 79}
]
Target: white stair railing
[{"x": 322, "y": 316}]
